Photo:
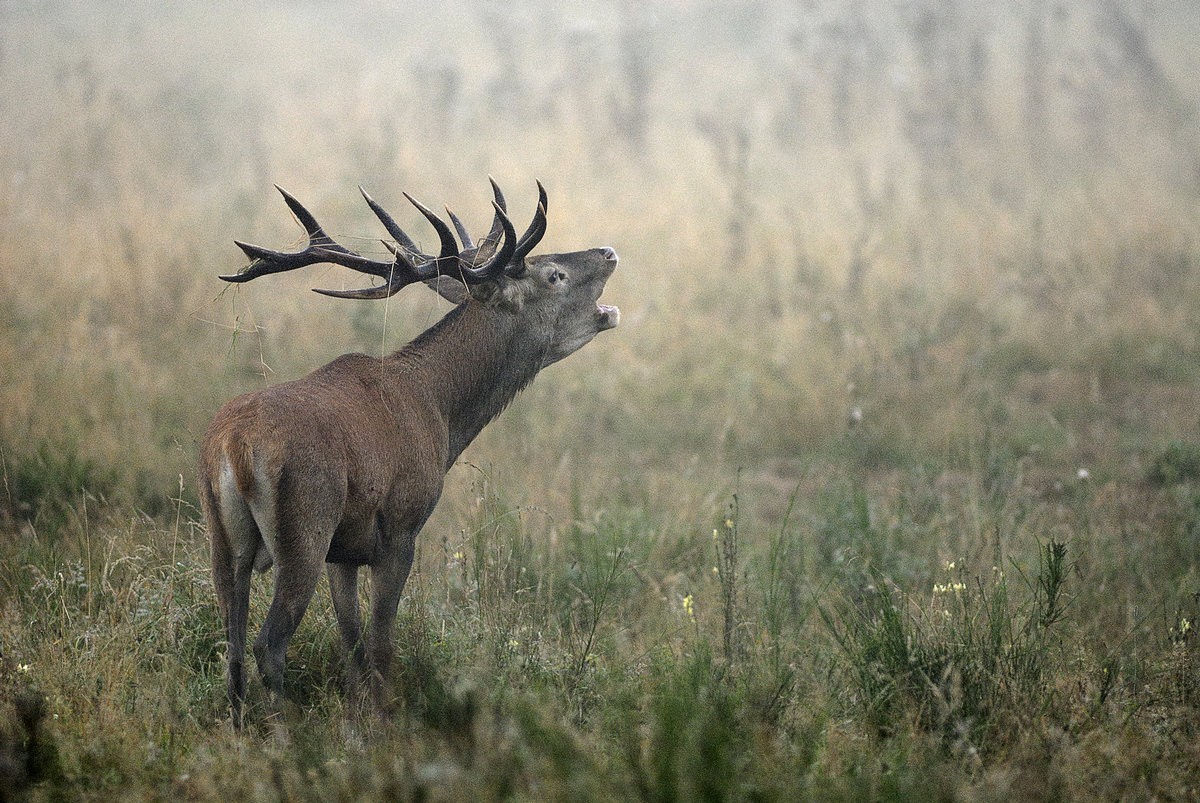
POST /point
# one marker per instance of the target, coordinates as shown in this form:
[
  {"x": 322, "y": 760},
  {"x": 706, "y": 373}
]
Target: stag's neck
[{"x": 472, "y": 363}]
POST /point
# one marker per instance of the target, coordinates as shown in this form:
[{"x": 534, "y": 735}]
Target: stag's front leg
[
  {"x": 388, "y": 577},
  {"x": 343, "y": 587}
]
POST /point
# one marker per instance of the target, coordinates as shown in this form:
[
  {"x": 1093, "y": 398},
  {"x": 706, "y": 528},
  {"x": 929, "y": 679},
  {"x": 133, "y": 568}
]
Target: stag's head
[
  {"x": 559, "y": 294},
  {"x": 555, "y": 295}
]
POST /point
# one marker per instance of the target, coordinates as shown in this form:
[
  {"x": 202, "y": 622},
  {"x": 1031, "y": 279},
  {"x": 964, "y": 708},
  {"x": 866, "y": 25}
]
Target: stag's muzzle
[{"x": 607, "y": 316}]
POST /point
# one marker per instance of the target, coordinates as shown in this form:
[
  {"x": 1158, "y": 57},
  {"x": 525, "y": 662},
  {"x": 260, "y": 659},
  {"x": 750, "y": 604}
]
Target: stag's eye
[{"x": 556, "y": 277}]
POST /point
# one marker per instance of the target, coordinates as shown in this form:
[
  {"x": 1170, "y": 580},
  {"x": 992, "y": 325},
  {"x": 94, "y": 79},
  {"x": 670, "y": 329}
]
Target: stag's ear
[
  {"x": 503, "y": 292},
  {"x": 485, "y": 292},
  {"x": 448, "y": 288}
]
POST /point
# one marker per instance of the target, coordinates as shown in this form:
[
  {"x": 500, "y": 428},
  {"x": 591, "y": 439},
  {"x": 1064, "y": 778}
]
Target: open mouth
[{"x": 606, "y": 317}]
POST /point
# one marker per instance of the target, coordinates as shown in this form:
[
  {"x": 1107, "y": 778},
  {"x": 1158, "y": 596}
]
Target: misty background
[{"x": 821, "y": 208}]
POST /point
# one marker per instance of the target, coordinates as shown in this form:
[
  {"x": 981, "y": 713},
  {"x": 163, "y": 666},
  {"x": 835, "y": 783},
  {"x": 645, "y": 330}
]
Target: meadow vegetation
[{"x": 887, "y": 486}]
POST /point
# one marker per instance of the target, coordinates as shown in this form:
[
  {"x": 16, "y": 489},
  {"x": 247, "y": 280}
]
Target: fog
[
  {"x": 810, "y": 120},
  {"x": 786, "y": 170}
]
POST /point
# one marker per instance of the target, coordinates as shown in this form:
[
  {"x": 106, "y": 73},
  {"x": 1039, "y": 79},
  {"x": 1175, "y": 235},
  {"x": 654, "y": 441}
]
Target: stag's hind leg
[
  {"x": 235, "y": 631},
  {"x": 295, "y": 581},
  {"x": 297, "y": 521},
  {"x": 235, "y": 539}
]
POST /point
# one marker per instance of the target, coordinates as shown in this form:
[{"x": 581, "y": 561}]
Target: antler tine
[
  {"x": 463, "y": 234},
  {"x": 392, "y": 227},
  {"x": 264, "y": 261},
  {"x": 310, "y": 224},
  {"x": 499, "y": 196},
  {"x": 382, "y": 291},
  {"x": 537, "y": 229},
  {"x": 491, "y": 242},
  {"x": 496, "y": 264},
  {"x": 449, "y": 244}
]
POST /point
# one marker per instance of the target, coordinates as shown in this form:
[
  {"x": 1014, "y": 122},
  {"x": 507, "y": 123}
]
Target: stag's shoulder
[{"x": 351, "y": 363}]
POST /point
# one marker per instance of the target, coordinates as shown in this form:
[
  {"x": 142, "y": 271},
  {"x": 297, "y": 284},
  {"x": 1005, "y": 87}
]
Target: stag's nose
[{"x": 608, "y": 254}]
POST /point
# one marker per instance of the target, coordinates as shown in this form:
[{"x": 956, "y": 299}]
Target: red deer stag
[{"x": 342, "y": 467}]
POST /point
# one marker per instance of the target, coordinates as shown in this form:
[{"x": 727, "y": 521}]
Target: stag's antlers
[{"x": 500, "y": 252}]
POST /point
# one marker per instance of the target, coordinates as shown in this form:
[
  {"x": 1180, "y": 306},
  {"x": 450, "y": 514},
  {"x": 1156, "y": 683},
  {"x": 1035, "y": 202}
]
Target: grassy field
[{"x": 887, "y": 486}]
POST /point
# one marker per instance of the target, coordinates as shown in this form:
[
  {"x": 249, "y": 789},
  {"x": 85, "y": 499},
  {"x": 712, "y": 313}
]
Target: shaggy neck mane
[{"x": 474, "y": 361}]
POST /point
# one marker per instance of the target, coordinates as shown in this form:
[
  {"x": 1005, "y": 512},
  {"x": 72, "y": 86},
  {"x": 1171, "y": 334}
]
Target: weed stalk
[{"x": 725, "y": 541}]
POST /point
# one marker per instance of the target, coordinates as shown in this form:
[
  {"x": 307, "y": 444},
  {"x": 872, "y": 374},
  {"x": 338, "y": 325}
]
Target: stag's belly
[
  {"x": 356, "y": 542},
  {"x": 374, "y": 524}
]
